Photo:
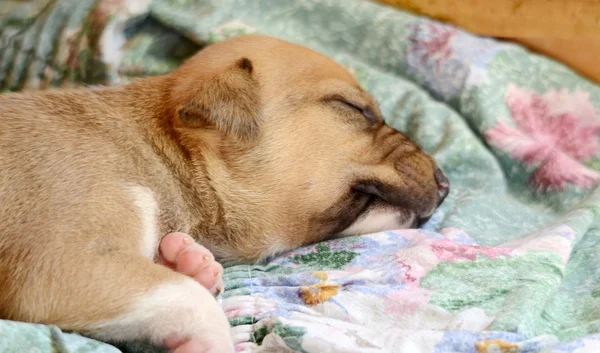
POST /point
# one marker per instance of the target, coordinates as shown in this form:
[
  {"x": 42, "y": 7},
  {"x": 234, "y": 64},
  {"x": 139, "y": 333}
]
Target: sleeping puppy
[{"x": 252, "y": 147}]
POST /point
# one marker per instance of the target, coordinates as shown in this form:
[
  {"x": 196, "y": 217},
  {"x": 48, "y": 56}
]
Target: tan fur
[{"x": 247, "y": 147}]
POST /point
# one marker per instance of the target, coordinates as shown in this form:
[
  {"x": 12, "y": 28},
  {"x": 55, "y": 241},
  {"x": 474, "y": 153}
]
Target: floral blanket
[{"x": 511, "y": 261}]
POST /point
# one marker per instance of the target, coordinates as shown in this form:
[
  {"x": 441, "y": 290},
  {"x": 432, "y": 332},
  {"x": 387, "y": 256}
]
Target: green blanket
[{"x": 509, "y": 263}]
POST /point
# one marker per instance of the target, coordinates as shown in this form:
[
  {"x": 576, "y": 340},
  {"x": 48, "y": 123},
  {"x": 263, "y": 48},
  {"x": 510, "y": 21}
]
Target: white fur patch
[
  {"x": 144, "y": 201},
  {"x": 378, "y": 220},
  {"x": 275, "y": 245},
  {"x": 183, "y": 310}
]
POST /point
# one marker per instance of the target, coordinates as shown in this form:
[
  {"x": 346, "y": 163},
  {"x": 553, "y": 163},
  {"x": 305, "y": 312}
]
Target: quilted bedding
[{"x": 509, "y": 263}]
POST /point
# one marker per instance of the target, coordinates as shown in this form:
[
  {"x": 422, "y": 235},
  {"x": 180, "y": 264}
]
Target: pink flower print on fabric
[
  {"x": 449, "y": 251},
  {"x": 555, "y": 132},
  {"x": 405, "y": 303},
  {"x": 426, "y": 254},
  {"x": 435, "y": 46}
]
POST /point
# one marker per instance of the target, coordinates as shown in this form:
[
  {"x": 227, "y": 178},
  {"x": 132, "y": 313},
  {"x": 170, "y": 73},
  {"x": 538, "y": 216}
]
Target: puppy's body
[
  {"x": 86, "y": 195},
  {"x": 237, "y": 152}
]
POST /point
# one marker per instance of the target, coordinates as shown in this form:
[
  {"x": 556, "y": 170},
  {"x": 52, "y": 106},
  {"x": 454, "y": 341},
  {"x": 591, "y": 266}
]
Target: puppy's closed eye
[{"x": 366, "y": 112}]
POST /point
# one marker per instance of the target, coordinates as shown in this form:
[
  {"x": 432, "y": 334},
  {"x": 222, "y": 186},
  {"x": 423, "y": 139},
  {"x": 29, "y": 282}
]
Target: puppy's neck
[{"x": 147, "y": 102}]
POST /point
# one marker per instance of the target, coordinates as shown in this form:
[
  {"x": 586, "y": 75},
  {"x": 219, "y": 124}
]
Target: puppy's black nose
[{"x": 443, "y": 184}]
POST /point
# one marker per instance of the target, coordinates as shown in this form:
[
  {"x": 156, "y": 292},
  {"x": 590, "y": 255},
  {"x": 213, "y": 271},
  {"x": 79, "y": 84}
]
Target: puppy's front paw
[{"x": 181, "y": 253}]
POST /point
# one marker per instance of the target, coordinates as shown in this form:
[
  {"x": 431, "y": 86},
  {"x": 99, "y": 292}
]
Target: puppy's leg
[
  {"x": 181, "y": 253},
  {"x": 173, "y": 310},
  {"x": 126, "y": 297}
]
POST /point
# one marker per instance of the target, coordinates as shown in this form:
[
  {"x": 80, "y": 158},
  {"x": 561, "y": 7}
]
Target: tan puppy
[{"x": 254, "y": 146}]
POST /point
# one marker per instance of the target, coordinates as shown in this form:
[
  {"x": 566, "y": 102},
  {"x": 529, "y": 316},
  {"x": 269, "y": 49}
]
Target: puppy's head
[{"x": 294, "y": 149}]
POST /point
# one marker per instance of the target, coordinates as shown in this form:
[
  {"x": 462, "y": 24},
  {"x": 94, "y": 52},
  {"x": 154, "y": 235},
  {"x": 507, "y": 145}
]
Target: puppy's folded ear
[{"x": 227, "y": 102}]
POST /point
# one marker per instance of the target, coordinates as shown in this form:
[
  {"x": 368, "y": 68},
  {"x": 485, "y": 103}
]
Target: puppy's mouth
[{"x": 378, "y": 215}]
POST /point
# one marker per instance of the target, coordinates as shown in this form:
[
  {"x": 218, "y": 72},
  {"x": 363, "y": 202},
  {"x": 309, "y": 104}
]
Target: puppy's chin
[{"x": 380, "y": 218}]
